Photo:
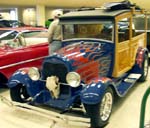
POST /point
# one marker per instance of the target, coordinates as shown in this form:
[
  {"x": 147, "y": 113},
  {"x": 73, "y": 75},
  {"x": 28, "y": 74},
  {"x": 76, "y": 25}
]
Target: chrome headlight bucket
[
  {"x": 34, "y": 73},
  {"x": 73, "y": 79}
]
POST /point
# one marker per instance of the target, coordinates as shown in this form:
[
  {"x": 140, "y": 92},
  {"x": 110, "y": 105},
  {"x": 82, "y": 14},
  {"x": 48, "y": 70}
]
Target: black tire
[
  {"x": 3, "y": 81},
  {"x": 93, "y": 111},
  {"x": 19, "y": 94},
  {"x": 145, "y": 65}
]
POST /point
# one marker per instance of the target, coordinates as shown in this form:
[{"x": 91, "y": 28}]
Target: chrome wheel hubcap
[
  {"x": 106, "y": 106},
  {"x": 145, "y": 67}
]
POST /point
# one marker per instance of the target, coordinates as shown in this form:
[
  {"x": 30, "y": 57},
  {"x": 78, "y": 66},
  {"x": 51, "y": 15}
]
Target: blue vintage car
[{"x": 101, "y": 56}]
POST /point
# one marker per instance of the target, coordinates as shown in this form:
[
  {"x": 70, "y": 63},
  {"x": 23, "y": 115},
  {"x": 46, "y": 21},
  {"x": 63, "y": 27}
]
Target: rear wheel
[
  {"x": 19, "y": 94},
  {"x": 100, "y": 113},
  {"x": 144, "y": 68}
]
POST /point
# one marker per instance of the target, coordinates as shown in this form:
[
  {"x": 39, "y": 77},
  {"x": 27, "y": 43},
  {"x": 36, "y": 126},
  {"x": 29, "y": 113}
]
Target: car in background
[
  {"x": 102, "y": 57},
  {"x": 11, "y": 23},
  {"x": 21, "y": 47}
]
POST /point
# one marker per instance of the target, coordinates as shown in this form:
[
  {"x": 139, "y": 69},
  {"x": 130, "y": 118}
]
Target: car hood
[
  {"x": 81, "y": 53},
  {"x": 88, "y": 59}
]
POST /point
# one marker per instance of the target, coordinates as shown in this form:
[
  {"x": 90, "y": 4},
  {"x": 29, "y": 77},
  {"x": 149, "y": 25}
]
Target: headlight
[
  {"x": 34, "y": 73},
  {"x": 73, "y": 79}
]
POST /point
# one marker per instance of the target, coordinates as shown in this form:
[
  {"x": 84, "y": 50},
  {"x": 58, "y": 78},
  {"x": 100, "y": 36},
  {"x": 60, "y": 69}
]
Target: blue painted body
[{"x": 92, "y": 59}]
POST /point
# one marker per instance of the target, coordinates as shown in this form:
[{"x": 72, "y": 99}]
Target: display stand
[{"x": 143, "y": 108}]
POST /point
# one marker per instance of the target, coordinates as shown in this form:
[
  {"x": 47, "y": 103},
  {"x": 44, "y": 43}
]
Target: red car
[{"x": 21, "y": 47}]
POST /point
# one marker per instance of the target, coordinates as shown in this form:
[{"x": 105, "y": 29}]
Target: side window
[
  {"x": 148, "y": 31},
  {"x": 123, "y": 30},
  {"x": 34, "y": 37},
  {"x": 139, "y": 24},
  {"x": 148, "y": 22}
]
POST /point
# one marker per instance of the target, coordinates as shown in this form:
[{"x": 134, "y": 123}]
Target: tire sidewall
[
  {"x": 143, "y": 76},
  {"x": 15, "y": 94},
  {"x": 93, "y": 112}
]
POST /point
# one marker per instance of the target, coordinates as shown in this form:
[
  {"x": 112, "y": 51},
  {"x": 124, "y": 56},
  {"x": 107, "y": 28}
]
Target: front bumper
[{"x": 68, "y": 119}]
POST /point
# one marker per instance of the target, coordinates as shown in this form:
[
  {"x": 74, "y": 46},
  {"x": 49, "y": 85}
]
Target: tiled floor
[{"x": 126, "y": 112}]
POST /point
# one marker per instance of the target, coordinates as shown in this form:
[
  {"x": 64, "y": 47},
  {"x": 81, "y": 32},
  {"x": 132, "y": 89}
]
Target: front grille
[{"x": 58, "y": 70}]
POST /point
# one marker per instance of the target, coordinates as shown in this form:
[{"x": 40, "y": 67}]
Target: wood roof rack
[{"x": 126, "y": 4}]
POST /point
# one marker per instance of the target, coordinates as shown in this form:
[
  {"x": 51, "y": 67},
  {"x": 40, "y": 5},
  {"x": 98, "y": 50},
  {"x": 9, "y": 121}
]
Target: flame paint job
[{"x": 90, "y": 60}]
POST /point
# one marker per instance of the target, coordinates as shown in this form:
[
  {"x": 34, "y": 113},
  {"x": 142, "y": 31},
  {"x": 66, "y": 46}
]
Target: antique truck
[{"x": 102, "y": 56}]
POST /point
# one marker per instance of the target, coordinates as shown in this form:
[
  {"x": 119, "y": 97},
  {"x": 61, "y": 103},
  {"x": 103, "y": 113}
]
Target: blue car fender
[
  {"x": 20, "y": 76},
  {"x": 137, "y": 68},
  {"x": 93, "y": 93},
  {"x": 33, "y": 87}
]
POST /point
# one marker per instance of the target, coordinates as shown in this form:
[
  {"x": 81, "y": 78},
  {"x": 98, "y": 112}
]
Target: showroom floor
[{"x": 126, "y": 112}]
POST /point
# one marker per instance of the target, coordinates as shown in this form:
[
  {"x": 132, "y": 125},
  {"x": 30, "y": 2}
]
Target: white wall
[
  {"x": 5, "y": 15},
  {"x": 29, "y": 16},
  {"x": 51, "y": 12},
  {"x": 9, "y": 13}
]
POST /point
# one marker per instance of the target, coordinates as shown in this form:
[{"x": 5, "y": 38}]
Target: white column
[{"x": 40, "y": 15}]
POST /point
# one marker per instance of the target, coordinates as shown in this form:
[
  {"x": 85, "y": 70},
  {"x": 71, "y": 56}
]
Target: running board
[
  {"x": 134, "y": 75},
  {"x": 127, "y": 83},
  {"x": 54, "y": 116},
  {"x": 131, "y": 78}
]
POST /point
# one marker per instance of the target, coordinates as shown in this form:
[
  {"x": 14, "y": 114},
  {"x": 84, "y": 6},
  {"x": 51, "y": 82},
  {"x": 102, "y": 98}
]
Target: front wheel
[
  {"x": 19, "y": 94},
  {"x": 100, "y": 113}
]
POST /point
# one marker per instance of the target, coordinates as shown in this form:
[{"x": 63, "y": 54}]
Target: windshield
[
  {"x": 7, "y": 34},
  {"x": 34, "y": 37},
  {"x": 26, "y": 38},
  {"x": 100, "y": 30}
]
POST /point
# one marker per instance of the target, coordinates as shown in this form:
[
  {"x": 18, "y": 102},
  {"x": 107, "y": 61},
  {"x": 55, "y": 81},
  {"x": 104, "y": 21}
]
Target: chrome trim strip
[{"x": 22, "y": 62}]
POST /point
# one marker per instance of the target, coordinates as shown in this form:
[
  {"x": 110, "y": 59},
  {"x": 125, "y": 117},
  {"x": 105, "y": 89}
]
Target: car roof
[{"x": 95, "y": 13}]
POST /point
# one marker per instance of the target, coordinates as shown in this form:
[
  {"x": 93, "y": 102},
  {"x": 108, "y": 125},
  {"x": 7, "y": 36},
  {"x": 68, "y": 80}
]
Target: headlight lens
[
  {"x": 34, "y": 73},
  {"x": 73, "y": 79}
]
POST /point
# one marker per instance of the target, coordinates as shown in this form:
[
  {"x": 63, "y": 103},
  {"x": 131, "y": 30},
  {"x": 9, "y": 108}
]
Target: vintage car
[
  {"x": 102, "y": 56},
  {"x": 21, "y": 47}
]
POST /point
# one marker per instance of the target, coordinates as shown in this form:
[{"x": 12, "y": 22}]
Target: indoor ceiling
[{"x": 68, "y": 3}]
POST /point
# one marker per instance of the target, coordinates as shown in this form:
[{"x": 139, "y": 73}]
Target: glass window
[
  {"x": 148, "y": 21},
  {"x": 101, "y": 30},
  {"x": 23, "y": 39},
  {"x": 123, "y": 30},
  {"x": 139, "y": 24},
  {"x": 37, "y": 34},
  {"x": 7, "y": 34},
  {"x": 34, "y": 37},
  {"x": 7, "y": 38}
]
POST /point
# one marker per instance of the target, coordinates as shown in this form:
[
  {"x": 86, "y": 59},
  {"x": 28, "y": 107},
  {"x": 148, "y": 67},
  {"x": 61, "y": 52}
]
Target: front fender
[
  {"x": 93, "y": 93},
  {"x": 33, "y": 87},
  {"x": 20, "y": 76}
]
